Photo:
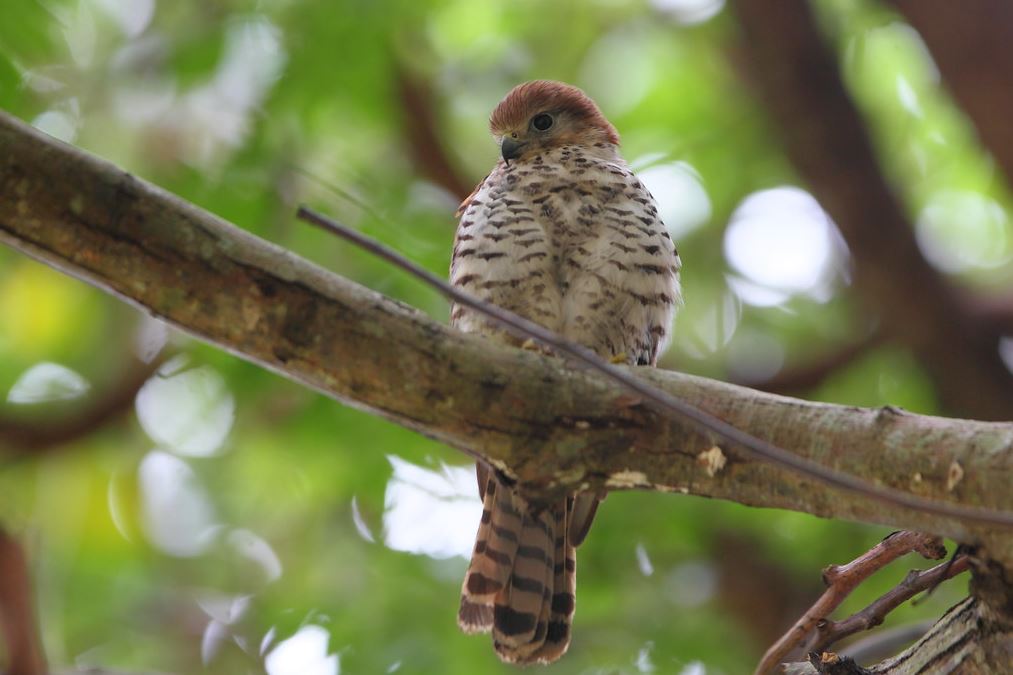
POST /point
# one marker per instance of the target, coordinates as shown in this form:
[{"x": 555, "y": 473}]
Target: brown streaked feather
[
  {"x": 522, "y": 612},
  {"x": 482, "y": 473},
  {"x": 467, "y": 200},
  {"x": 561, "y": 605},
  {"x": 492, "y": 560},
  {"x": 585, "y": 505},
  {"x": 519, "y": 605}
]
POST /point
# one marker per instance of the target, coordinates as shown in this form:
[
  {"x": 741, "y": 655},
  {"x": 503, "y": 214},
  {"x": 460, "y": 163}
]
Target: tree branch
[
  {"x": 829, "y": 632},
  {"x": 841, "y": 580},
  {"x": 798, "y": 79},
  {"x": 964, "y": 640},
  {"x": 553, "y": 427}
]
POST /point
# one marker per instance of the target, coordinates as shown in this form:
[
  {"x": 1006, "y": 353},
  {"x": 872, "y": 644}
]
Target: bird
[{"x": 563, "y": 233}]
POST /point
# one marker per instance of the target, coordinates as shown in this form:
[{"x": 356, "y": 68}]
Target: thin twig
[
  {"x": 754, "y": 448},
  {"x": 828, "y": 632},
  {"x": 841, "y": 580}
]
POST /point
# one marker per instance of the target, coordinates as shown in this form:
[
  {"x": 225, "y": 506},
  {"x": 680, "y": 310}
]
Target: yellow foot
[{"x": 620, "y": 358}]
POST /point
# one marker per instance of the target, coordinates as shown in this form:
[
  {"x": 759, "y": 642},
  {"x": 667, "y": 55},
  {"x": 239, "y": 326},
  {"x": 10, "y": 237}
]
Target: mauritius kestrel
[{"x": 563, "y": 233}]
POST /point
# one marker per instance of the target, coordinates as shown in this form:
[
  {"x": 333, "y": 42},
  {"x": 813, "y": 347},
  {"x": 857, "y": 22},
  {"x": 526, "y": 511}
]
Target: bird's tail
[{"x": 522, "y": 578}]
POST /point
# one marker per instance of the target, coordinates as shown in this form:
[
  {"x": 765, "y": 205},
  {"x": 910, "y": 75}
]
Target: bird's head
[{"x": 539, "y": 115}]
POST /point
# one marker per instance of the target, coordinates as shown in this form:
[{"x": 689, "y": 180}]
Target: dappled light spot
[
  {"x": 683, "y": 203},
  {"x": 691, "y": 584},
  {"x": 150, "y": 338},
  {"x": 783, "y": 240},
  {"x": 619, "y": 69},
  {"x": 132, "y": 16},
  {"x": 693, "y": 668},
  {"x": 45, "y": 382},
  {"x": 176, "y": 513},
  {"x": 643, "y": 662},
  {"x": 714, "y": 326},
  {"x": 224, "y": 608},
  {"x": 754, "y": 356},
  {"x": 689, "y": 12},
  {"x": 187, "y": 411},
  {"x": 360, "y": 523},
  {"x": 215, "y": 633},
  {"x": 964, "y": 231},
  {"x": 80, "y": 33},
  {"x": 305, "y": 653},
  {"x": 57, "y": 124},
  {"x": 754, "y": 294},
  {"x": 214, "y": 117},
  {"x": 908, "y": 97},
  {"x": 1006, "y": 351},
  {"x": 644, "y": 561},
  {"x": 431, "y": 512},
  {"x": 267, "y": 640},
  {"x": 254, "y": 549},
  {"x": 120, "y": 508}
]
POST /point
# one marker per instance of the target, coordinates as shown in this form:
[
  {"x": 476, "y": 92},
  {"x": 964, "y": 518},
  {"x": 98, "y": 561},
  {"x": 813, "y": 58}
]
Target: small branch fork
[
  {"x": 751, "y": 446},
  {"x": 841, "y": 580},
  {"x": 829, "y": 632}
]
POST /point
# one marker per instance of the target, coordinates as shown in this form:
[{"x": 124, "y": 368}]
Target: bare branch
[
  {"x": 554, "y": 428},
  {"x": 841, "y": 580},
  {"x": 967, "y": 639},
  {"x": 829, "y": 632}
]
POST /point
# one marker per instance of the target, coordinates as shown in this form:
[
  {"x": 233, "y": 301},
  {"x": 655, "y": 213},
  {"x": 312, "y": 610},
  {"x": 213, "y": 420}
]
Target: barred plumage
[{"x": 563, "y": 233}]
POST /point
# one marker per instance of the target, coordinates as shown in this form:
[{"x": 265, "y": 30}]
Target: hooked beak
[{"x": 511, "y": 148}]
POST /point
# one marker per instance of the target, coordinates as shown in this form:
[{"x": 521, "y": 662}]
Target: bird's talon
[{"x": 619, "y": 359}]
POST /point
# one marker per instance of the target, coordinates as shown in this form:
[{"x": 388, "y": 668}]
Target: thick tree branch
[
  {"x": 672, "y": 406},
  {"x": 798, "y": 78},
  {"x": 553, "y": 427}
]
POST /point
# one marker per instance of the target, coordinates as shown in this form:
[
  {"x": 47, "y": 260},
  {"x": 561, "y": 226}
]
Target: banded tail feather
[{"x": 521, "y": 582}]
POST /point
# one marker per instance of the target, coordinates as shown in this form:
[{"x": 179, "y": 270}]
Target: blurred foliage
[{"x": 150, "y": 555}]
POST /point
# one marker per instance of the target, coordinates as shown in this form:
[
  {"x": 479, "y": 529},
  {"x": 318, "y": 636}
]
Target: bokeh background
[{"x": 186, "y": 512}]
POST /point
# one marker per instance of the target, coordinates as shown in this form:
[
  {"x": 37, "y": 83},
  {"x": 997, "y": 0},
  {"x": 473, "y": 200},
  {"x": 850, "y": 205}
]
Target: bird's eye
[{"x": 542, "y": 122}]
